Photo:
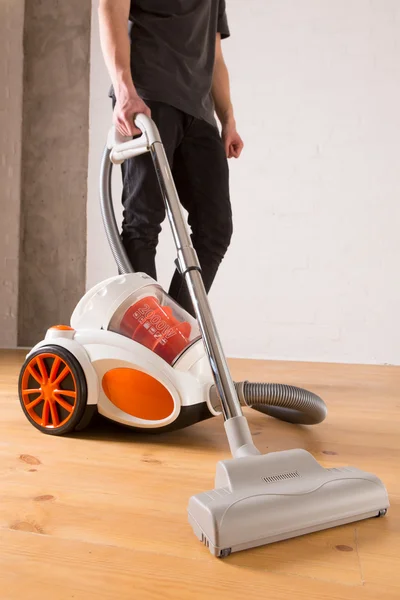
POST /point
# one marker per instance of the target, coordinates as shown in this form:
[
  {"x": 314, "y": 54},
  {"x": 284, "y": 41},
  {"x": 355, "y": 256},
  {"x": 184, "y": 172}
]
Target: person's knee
[
  {"x": 223, "y": 233},
  {"x": 142, "y": 221},
  {"x": 140, "y": 235},
  {"x": 212, "y": 243},
  {"x": 227, "y": 232}
]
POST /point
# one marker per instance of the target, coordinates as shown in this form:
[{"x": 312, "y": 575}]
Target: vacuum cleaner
[{"x": 132, "y": 354}]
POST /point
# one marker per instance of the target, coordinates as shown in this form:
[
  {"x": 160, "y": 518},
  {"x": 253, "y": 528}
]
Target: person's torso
[
  {"x": 173, "y": 49},
  {"x": 183, "y": 26}
]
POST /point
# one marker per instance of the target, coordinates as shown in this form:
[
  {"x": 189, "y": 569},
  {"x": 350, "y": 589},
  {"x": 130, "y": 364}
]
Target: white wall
[{"x": 313, "y": 270}]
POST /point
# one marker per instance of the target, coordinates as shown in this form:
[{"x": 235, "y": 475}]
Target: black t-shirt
[{"x": 173, "y": 51}]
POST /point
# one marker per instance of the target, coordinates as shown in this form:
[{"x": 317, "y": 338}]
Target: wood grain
[{"x": 102, "y": 515}]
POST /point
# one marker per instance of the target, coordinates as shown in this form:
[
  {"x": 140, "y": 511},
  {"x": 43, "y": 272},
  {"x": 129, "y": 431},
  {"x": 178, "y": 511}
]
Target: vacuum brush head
[{"x": 258, "y": 500}]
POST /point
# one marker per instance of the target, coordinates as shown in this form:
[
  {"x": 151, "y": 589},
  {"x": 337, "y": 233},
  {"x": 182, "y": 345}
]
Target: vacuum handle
[
  {"x": 122, "y": 147},
  {"x": 189, "y": 266}
]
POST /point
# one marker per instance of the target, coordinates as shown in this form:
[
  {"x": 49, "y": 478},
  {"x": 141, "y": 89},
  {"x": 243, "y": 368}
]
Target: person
[{"x": 165, "y": 60}]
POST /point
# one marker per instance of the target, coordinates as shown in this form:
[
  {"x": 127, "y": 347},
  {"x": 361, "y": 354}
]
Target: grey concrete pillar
[
  {"x": 54, "y": 164},
  {"x": 11, "y": 66}
]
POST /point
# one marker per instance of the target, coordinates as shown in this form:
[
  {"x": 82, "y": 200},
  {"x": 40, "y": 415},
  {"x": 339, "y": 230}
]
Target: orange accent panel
[
  {"x": 62, "y": 328},
  {"x": 46, "y": 394},
  {"x": 138, "y": 394}
]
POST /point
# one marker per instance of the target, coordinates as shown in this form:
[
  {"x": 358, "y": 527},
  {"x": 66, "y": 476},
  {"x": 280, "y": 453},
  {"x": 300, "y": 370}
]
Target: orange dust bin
[
  {"x": 154, "y": 326},
  {"x": 48, "y": 390},
  {"x": 158, "y": 325}
]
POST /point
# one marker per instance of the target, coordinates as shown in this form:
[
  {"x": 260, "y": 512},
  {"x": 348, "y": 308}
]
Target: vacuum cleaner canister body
[
  {"x": 132, "y": 354},
  {"x": 136, "y": 357}
]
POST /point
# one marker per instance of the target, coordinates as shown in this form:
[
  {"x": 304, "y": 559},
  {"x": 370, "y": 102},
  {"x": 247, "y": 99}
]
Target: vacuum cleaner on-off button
[{"x": 136, "y": 357}]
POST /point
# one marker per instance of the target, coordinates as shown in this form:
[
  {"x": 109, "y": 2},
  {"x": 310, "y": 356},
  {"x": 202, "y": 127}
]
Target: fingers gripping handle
[{"x": 123, "y": 147}]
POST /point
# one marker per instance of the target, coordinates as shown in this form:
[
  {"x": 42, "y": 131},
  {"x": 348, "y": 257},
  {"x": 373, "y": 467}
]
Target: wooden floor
[{"x": 103, "y": 515}]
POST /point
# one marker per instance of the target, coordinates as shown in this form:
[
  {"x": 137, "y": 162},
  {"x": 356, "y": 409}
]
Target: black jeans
[{"x": 200, "y": 170}]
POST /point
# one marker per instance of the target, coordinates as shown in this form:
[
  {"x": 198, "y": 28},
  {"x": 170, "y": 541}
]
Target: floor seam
[{"x": 358, "y": 555}]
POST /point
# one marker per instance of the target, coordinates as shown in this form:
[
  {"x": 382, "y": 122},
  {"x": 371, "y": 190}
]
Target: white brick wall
[
  {"x": 312, "y": 273},
  {"x": 11, "y": 64}
]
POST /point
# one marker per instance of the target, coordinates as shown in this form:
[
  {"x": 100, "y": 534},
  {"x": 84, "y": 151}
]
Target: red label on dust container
[{"x": 156, "y": 327}]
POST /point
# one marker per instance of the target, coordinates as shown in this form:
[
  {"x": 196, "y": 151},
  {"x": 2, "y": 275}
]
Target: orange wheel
[{"x": 52, "y": 390}]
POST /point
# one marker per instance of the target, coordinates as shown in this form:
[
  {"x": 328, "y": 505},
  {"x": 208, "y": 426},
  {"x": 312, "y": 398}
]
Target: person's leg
[
  {"x": 202, "y": 178},
  {"x": 143, "y": 204}
]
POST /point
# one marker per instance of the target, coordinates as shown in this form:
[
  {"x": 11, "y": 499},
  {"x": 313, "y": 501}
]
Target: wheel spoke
[
  {"x": 45, "y": 414},
  {"x": 68, "y": 407},
  {"x": 42, "y": 368},
  {"x": 62, "y": 375},
  {"x": 27, "y": 392},
  {"x": 54, "y": 369},
  {"x": 54, "y": 414},
  {"x": 35, "y": 374},
  {"x": 69, "y": 393},
  {"x": 34, "y": 403}
]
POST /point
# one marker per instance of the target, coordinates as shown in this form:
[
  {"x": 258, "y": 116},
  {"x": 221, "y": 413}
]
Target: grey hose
[
  {"x": 108, "y": 216},
  {"x": 285, "y": 402}
]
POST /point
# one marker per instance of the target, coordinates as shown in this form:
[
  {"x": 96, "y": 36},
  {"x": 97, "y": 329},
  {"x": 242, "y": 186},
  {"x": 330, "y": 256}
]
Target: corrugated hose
[{"x": 284, "y": 402}]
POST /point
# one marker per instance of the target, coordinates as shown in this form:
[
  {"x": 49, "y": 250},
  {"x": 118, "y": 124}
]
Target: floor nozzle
[{"x": 263, "y": 499}]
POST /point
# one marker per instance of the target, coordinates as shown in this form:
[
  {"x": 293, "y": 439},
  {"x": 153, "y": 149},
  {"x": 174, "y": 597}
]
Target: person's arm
[
  {"x": 115, "y": 44},
  {"x": 223, "y": 104}
]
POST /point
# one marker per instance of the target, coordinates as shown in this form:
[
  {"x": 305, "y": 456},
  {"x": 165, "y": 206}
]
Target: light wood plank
[{"x": 103, "y": 514}]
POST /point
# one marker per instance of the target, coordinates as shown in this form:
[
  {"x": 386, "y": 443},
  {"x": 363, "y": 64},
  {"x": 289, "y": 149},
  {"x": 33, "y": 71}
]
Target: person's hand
[
  {"x": 233, "y": 143},
  {"x": 128, "y": 105}
]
